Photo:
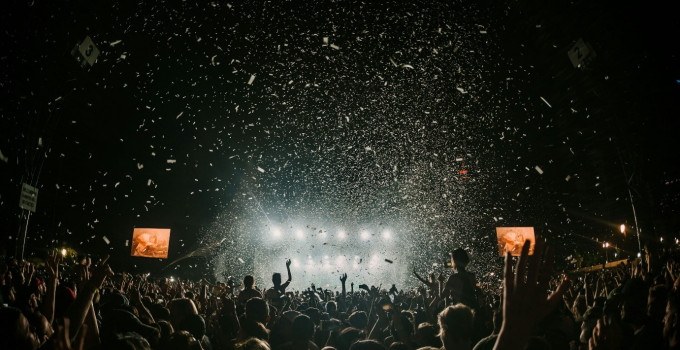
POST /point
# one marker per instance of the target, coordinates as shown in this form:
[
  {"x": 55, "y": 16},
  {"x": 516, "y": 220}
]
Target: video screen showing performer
[
  {"x": 150, "y": 242},
  {"x": 511, "y": 239}
]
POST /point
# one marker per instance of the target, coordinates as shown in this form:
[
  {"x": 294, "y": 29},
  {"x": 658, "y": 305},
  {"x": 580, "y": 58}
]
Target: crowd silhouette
[{"x": 85, "y": 305}]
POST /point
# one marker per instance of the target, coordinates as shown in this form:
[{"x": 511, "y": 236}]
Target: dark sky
[{"x": 359, "y": 113}]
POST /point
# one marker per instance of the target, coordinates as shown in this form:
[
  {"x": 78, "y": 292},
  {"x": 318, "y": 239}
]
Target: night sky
[{"x": 436, "y": 120}]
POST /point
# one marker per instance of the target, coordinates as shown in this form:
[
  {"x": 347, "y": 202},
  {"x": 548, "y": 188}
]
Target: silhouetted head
[
  {"x": 257, "y": 310},
  {"x": 460, "y": 258},
  {"x": 248, "y": 282},
  {"x": 276, "y": 279},
  {"x": 455, "y": 324},
  {"x": 303, "y": 328}
]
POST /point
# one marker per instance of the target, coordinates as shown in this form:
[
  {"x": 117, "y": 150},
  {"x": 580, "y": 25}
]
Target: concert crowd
[{"x": 86, "y": 305}]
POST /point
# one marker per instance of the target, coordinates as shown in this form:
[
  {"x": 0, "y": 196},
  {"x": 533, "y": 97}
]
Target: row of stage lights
[
  {"x": 364, "y": 235},
  {"x": 339, "y": 262}
]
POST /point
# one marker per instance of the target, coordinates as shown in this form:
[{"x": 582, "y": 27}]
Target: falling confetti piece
[
  {"x": 106, "y": 239},
  {"x": 241, "y": 261},
  {"x": 140, "y": 166},
  {"x": 389, "y": 261},
  {"x": 539, "y": 170},
  {"x": 260, "y": 169},
  {"x": 252, "y": 79},
  {"x": 171, "y": 161},
  {"x": 546, "y": 102},
  {"x": 179, "y": 115},
  {"x": 115, "y": 43}
]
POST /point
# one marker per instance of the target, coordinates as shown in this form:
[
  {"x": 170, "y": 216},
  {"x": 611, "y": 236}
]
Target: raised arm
[
  {"x": 80, "y": 307},
  {"x": 290, "y": 277},
  {"x": 524, "y": 301},
  {"x": 343, "y": 280},
  {"x": 52, "y": 263}
]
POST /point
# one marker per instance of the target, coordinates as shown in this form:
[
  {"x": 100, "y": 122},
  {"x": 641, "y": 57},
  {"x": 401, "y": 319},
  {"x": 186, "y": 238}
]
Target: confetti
[{"x": 546, "y": 102}]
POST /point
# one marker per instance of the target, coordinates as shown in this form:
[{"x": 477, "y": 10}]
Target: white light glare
[
  {"x": 63, "y": 252},
  {"x": 299, "y": 234},
  {"x": 276, "y": 232},
  {"x": 623, "y": 228},
  {"x": 340, "y": 261},
  {"x": 341, "y": 234},
  {"x": 365, "y": 235},
  {"x": 387, "y": 234}
]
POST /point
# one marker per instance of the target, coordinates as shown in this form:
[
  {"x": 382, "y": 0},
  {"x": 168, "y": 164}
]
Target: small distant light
[
  {"x": 63, "y": 252},
  {"x": 387, "y": 234},
  {"x": 172, "y": 279},
  {"x": 365, "y": 235},
  {"x": 299, "y": 234},
  {"x": 341, "y": 234},
  {"x": 639, "y": 254},
  {"x": 616, "y": 254},
  {"x": 678, "y": 81},
  {"x": 661, "y": 239},
  {"x": 623, "y": 228}
]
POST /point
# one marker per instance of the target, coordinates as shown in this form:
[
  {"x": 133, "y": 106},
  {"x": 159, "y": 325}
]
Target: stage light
[
  {"x": 276, "y": 232},
  {"x": 365, "y": 235},
  {"x": 387, "y": 234},
  {"x": 295, "y": 263},
  {"x": 341, "y": 234},
  {"x": 340, "y": 261},
  {"x": 661, "y": 239},
  {"x": 623, "y": 228},
  {"x": 63, "y": 252},
  {"x": 299, "y": 234},
  {"x": 374, "y": 261}
]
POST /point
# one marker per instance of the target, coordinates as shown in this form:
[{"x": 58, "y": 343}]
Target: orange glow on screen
[{"x": 150, "y": 242}]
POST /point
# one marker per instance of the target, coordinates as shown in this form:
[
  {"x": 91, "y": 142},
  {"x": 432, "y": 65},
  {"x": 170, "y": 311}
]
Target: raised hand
[
  {"x": 441, "y": 277},
  {"x": 605, "y": 336},
  {"x": 524, "y": 295},
  {"x": 343, "y": 278},
  {"x": 288, "y": 262},
  {"x": 100, "y": 272},
  {"x": 52, "y": 264}
]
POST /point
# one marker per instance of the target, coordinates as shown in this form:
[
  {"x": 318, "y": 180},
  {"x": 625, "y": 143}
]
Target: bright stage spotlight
[
  {"x": 299, "y": 234},
  {"x": 365, "y": 235},
  {"x": 276, "y": 232},
  {"x": 374, "y": 261},
  {"x": 387, "y": 234},
  {"x": 340, "y": 261},
  {"x": 341, "y": 234},
  {"x": 296, "y": 263}
]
